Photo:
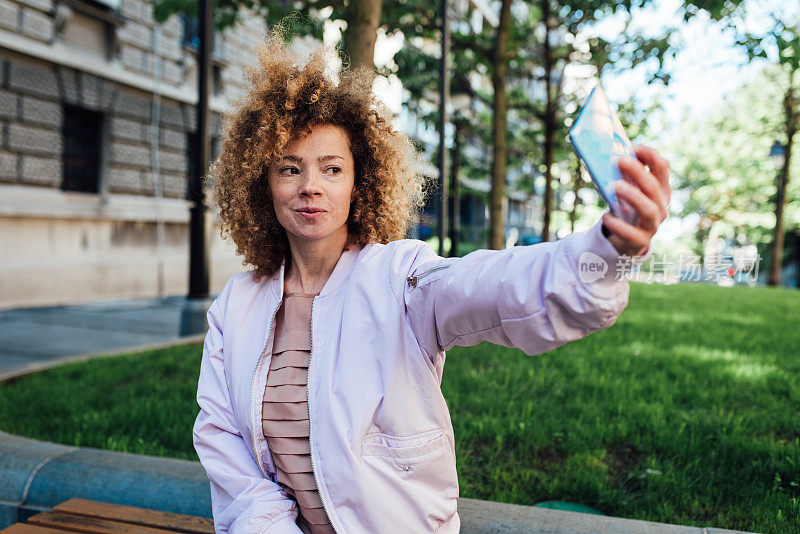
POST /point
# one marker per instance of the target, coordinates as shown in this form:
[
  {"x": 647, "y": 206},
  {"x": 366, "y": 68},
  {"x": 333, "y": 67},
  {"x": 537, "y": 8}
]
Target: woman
[{"x": 320, "y": 407}]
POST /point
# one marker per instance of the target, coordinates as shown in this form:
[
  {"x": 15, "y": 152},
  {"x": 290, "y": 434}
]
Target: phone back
[{"x": 599, "y": 140}]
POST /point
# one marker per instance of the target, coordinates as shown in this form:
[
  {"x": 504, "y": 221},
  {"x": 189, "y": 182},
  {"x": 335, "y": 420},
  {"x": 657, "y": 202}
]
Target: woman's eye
[
  {"x": 289, "y": 170},
  {"x": 334, "y": 170}
]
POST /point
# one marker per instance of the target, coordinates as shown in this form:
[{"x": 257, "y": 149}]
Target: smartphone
[{"x": 599, "y": 140}]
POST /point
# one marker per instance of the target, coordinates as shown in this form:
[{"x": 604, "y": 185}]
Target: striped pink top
[{"x": 285, "y": 411}]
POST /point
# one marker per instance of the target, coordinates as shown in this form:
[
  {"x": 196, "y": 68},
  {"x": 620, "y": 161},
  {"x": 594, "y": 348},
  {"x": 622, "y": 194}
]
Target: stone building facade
[{"x": 97, "y": 116}]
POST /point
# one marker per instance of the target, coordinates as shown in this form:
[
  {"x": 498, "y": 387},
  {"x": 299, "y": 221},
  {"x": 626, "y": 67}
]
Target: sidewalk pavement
[{"x": 34, "y": 337}]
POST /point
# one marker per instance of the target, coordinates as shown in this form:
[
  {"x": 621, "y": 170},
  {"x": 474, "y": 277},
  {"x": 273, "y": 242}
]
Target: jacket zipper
[
  {"x": 412, "y": 280},
  {"x": 308, "y": 406},
  {"x": 252, "y": 388}
]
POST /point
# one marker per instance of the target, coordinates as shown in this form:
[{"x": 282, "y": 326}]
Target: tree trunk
[
  {"x": 797, "y": 258},
  {"x": 363, "y": 18},
  {"x": 550, "y": 120},
  {"x": 791, "y": 115},
  {"x": 455, "y": 194},
  {"x": 573, "y": 214},
  {"x": 497, "y": 216}
]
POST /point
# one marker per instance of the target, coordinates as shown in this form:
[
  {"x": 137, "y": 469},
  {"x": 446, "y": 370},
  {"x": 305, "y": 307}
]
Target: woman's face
[{"x": 312, "y": 185}]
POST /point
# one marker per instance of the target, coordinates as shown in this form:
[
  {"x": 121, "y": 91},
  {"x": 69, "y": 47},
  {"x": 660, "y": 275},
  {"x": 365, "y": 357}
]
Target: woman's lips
[{"x": 310, "y": 215}]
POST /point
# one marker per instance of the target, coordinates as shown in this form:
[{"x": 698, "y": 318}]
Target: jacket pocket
[
  {"x": 428, "y": 272},
  {"x": 420, "y": 468},
  {"x": 403, "y": 451}
]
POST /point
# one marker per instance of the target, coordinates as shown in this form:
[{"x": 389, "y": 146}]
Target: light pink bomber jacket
[{"x": 382, "y": 443}]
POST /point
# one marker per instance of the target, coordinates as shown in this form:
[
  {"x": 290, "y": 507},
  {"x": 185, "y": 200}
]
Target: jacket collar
[{"x": 338, "y": 277}]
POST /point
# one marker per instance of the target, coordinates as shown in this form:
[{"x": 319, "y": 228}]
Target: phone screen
[{"x": 599, "y": 141}]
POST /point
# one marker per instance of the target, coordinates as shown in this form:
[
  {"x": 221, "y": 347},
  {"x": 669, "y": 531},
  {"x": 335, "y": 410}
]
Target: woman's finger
[
  {"x": 659, "y": 166},
  {"x": 637, "y": 237},
  {"x": 650, "y": 213},
  {"x": 646, "y": 182}
]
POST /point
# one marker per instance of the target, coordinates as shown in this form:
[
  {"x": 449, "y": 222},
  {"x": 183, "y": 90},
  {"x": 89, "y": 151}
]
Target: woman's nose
[{"x": 311, "y": 183}]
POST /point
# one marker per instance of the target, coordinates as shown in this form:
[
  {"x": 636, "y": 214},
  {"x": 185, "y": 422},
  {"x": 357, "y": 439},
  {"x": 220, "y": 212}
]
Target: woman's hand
[{"x": 650, "y": 200}]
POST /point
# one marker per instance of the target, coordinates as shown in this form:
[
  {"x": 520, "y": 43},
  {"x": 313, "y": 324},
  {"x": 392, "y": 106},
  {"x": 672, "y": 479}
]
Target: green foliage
[
  {"x": 716, "y": 9},
  {"x": 780, "y": 43},
  {"x": 292, "y": 17},
  {"x": 721, "y": 160},
  {"x": 225, "y": 13},
  {"x": 686, "y": 411},
  {"x": 473, "y": 64}
]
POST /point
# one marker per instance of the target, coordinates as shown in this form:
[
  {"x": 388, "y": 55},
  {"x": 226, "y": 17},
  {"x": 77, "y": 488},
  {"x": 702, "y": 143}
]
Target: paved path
[{"x": 34, "y": 336}]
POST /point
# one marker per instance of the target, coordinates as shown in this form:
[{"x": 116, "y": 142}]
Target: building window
[
  {"x": 216, "y": 79},
  {"x": 82, "y": 149},
  {"x": 191, "y": 40},
  {"x": 111, "y": 4},
  {"x": 89, "y": 26},
  {"x": 191, "y": 33}
]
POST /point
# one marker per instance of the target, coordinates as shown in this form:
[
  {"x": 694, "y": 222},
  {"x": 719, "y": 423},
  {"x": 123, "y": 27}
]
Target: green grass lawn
[{"x": 687, "y": 410}]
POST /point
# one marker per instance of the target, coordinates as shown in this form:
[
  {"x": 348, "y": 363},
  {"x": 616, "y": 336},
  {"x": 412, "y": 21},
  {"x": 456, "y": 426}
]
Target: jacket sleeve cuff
[
  {"x": 598, "y": 264},
  {"x": 285, "y": 525}
]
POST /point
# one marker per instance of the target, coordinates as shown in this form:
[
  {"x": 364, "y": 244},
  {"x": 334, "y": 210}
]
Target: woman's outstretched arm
[
  {"x": 534, "y": 297},
  {"x": 538, "y": 297}
]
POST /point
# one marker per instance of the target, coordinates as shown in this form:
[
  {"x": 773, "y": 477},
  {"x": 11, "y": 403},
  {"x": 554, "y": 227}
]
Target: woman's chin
[{"x": 315, "y": 236}]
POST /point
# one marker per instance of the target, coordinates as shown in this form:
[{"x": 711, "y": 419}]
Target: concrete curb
[
  {"x": 21, "y": 371},
  {"x": 36, "y": 475}
]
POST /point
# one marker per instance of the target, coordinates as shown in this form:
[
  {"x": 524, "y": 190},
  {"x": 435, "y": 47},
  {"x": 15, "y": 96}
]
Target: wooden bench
[{"x": 81, "y": 515}]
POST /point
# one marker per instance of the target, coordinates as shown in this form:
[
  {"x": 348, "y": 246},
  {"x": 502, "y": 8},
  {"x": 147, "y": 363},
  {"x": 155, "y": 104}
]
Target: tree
[
  {"x": 779, "y": 45},
  {"x": 553, "y": 44},
  {"x": 482, "y": 54},
  {"x": 561, "y": 22},
  {"x": 500, "y": 56},
  {"x": 527, "y": 47},
  {"x": 306, "y": 17},
  {"x": 363, "y": 18},
  {"x": 543, "y": 45},
  {"x": 720, "y": 160},
  {"x": 555, "y": 41}
]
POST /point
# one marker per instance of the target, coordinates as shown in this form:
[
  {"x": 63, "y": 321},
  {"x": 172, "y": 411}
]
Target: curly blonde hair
[{"x": 284, "y": 101}]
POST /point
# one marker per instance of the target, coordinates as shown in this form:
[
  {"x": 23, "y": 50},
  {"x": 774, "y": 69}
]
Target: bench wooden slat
[
  {"x": 139, "y": 516},
  {"x": 24, "y": 528},
  {"x": 89, "y": 525}
]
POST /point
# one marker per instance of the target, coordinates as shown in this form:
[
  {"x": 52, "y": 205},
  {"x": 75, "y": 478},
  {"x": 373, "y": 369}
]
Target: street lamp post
[{"x": 193, "y": 318}]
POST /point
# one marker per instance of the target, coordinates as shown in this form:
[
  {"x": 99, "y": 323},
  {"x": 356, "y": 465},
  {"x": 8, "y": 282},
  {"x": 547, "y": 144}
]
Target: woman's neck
[{"x": 312, "y": 263}]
